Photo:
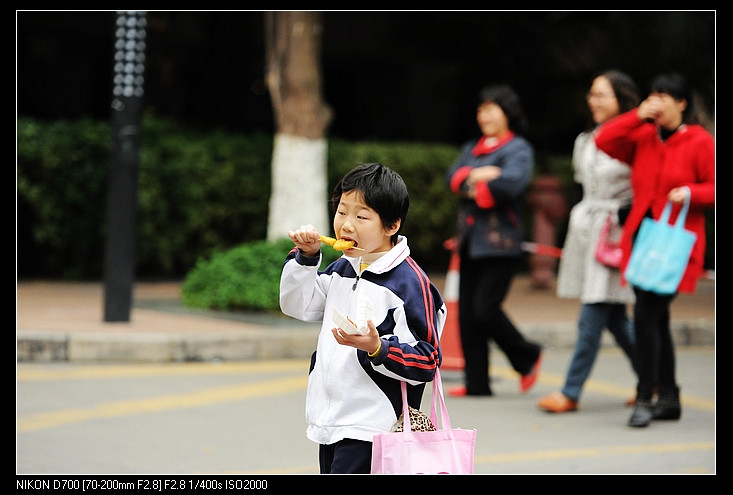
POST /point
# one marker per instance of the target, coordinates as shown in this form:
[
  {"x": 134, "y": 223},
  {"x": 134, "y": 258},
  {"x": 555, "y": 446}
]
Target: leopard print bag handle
[{"x": 418, "y": 420}]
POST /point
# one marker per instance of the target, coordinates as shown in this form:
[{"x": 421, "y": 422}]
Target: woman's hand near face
[{"x": 650, "y": 108}]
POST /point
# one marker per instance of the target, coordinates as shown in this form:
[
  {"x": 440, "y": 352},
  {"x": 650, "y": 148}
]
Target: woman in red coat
[{"x": 670, "y": 157}]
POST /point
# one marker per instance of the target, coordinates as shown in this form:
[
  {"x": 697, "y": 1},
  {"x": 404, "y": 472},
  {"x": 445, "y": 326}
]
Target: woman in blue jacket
[{"x": 491, "y": 177}]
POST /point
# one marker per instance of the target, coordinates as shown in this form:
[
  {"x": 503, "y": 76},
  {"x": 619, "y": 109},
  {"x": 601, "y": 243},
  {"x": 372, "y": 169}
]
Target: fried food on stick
[{"x": 338, "y": 244}]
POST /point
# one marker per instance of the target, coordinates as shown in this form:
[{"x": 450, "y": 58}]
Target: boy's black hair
[{"x": 383, "y": 190}]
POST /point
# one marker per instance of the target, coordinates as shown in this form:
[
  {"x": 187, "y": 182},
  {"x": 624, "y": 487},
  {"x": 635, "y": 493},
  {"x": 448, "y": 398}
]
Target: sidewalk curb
[{"x": 261, "y": 343}]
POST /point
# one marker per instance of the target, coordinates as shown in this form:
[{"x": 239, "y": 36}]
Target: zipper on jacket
[{"x": 353, "y": 287}]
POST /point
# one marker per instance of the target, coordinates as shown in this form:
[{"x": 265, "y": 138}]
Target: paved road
[{"x": 246, "y": 418}]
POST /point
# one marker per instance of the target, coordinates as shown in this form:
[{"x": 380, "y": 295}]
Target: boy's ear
[{"x": 394, "y": 228}]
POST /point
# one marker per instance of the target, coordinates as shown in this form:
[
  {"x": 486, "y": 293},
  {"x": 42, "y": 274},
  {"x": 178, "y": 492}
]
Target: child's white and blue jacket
[{"x": 350, "y": 395}]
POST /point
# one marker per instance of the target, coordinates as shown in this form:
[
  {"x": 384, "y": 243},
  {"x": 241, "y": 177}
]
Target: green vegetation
[
  {"x": 246, "y": 277},
  {"x": 202, "y": 206},
  {"x": 198, "y": 194}
]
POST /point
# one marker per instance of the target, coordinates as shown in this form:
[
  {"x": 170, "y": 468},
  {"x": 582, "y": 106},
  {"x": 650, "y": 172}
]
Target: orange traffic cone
[{"x": 450, "y": 340}]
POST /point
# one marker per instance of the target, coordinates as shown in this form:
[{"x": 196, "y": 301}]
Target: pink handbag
[
  {"x": 444, "y": 451},
  {"x": 608, "y": 252}
]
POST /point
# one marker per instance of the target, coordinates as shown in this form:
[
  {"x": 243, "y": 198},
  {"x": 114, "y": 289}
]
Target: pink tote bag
[{"x": 444, "y": 451}]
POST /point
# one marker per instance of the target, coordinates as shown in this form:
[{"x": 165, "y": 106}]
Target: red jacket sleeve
[{"x": 612, "y": 136}]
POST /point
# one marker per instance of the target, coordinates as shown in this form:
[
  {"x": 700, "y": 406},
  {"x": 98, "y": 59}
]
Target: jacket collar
[{"x": 388, "y": 260}]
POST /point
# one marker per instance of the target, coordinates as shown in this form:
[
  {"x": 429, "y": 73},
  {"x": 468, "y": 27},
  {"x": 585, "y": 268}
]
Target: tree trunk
[{"x": 299, "y": 173}]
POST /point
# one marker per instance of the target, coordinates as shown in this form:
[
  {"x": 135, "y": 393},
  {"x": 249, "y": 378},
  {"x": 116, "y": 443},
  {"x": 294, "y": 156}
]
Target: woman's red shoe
[{"x": 528, "y": 380}]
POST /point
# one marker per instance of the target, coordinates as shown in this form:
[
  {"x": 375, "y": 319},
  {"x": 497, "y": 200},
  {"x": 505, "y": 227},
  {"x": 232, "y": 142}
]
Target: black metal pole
[{"x": 123, "y": 172}]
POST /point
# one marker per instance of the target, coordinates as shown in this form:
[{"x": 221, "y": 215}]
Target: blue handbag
[{"x": 660, "y": 253}]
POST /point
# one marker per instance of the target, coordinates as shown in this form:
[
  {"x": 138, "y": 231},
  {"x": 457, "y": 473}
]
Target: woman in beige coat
[{"x": 606, "y": 190}]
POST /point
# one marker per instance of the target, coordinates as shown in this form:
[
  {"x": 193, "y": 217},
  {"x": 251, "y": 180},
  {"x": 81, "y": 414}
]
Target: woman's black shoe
[
  {"x": 642, "y": 415},
  {"x": 667, "y": 412},
  {"x": 668, "y": 405}
]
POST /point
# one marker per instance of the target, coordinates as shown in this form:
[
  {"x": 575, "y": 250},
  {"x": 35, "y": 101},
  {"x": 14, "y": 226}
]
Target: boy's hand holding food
[
  {"x": 369, "y": 342},
  {"x": 307, "y": 239}
]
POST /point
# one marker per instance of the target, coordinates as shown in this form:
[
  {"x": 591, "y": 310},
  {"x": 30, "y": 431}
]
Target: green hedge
[
  {"x": 199, "y": 193},
  {"x": 61, "y": 181},
  {"x": 202, "y": 195},
  {"x": 246, "y": 277}
]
